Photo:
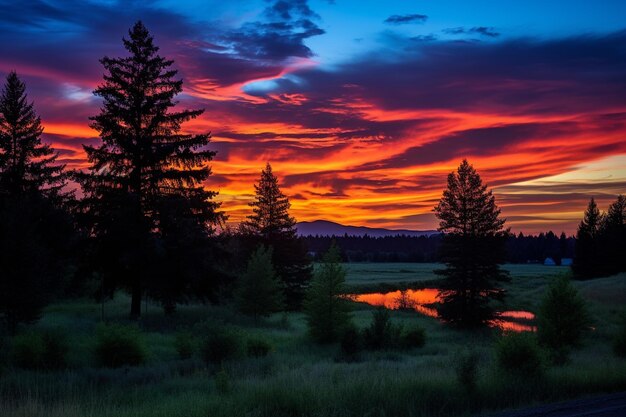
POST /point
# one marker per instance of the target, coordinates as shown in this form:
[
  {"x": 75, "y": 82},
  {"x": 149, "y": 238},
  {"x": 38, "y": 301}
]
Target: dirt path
[{"x": 613, "y": 405}]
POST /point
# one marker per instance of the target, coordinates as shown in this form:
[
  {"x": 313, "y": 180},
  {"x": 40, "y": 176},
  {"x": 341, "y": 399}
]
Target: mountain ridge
[{"x": 328, "y": 228}]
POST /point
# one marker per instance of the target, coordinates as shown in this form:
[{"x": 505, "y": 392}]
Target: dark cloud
[
  {"x": 288, "y": 25},
  {"x": 407, "y": 18},
  {"x": 478, "y": 30}
]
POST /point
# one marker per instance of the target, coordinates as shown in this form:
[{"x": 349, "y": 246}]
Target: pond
[{"x": 422, "y": 301}]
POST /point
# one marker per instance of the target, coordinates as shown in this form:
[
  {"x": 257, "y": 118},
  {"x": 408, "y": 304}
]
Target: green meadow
[{"x": 300, "y": 378}]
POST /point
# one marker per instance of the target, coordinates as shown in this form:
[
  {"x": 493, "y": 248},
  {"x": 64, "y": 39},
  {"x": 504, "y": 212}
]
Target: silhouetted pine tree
[
  {"x": 259, "y": 292},
  {"x": 588, "y": 260},
  {"x": 472, "y": 249},
  {"x": 271, "y": 225},
  {"x": 26, "y": 164},
  {"x": 146, "y": 177},
  {"x": 613, "y": 237},
  {"x": 328, "y": 313},
  {"x": 35, "y": 230}
]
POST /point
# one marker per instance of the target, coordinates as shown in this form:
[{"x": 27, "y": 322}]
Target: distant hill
[{"x": 326, "y": 228}]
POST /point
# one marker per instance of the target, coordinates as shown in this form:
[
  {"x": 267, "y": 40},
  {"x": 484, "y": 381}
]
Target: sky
[{"x": 361, "y": 107}]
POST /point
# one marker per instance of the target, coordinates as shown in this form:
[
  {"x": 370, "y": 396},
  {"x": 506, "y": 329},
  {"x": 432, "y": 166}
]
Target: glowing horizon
[{"x": 362, "y": 117}]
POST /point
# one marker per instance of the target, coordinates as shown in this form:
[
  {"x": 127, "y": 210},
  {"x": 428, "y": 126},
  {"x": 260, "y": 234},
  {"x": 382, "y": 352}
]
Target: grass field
[{"x": 301, "y": 378}]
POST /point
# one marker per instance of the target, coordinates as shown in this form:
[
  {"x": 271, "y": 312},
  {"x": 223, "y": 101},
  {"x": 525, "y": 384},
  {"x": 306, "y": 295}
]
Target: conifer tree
[
  {"x": 26, "y": 164},
  {"x": 259, "y": 292},
  {"x": 613, "y": 237},
  {"x": 271, "y": 225},
  {"x": 35, "y": 230},
  {"x": 473, "y": 247},
  {"x": 328, "y": 313},
  {"x": 147, "y": 174},
  {"x": 562, "y": 319},
  {"x": 587, "y": 260}
]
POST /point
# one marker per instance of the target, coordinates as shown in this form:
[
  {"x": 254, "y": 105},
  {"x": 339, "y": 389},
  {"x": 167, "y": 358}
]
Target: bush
[
  {"x": 382, "y": 334},
  {"x": 414, "y": 338},
  {"x": 520, "y": 354},
  {"x": 39, "y": 350},
  {"x": 222, "y": 382},
  {"x": 55, "y": 349},
  {"x": 27, "y": 350},
  {"x": 619, "y": 341},
  {"x": 118, "y": 345},
  {"x": 350, "y": 343},
  {"x": 466, "y": 368},
  {"x": 257, "y": 347},
  {"x": 185, "y": 345},
  {"x": 562, "y": 319},
  {"x": 220, "y": 344}
]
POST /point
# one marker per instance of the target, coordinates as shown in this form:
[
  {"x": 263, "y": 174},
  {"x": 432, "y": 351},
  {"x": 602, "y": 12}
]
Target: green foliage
[
  {"x": 222, "y": 382},
  {"x": 27, "y": 350},
  {"x": 39, "y": 350},
  {"x": 382, "y": 333},
  {"x": 351, "y": 343},
  {"x": 221, "y": 344},
  {"x": 466, "y": 369},
  {"x": 520, "y": 354},
  {"x": 473, "y": 247},
  {"x": 562, "y": 319},
  {"x": 258, "y": 347},
  {"x": 328, "y": 312},
  {"x": 414, "y": 337},
  {"x": 119, "y": 345},
  {"x": 259, "y": 292},
  {"x": 185, "y": 344},
  {"x": 619, "y": 340}
]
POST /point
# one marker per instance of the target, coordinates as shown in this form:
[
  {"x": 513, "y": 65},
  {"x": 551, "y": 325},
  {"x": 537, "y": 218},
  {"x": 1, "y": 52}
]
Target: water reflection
[{"x": 422, "y": 300}]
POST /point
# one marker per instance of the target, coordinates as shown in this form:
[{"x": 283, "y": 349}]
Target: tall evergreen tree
[
  {"x": 26, "y": 164},
  {"x": 35, "y": 230},
  {"x": 259, "y": 292},
  {"x": 271, "y": 225},
  {"x": 473, "y": 247},
  {"x": 613, "y": 236},
  {"x": 328, "y": 313},
  {"x": 147, "y": 175},
  {"x": 587, "y": 259}
]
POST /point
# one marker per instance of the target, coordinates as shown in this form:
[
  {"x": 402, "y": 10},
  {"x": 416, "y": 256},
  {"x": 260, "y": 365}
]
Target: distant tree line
[{"x": 520, "y": 248}]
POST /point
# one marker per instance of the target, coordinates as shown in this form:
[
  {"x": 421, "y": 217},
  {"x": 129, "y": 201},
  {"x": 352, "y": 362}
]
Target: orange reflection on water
[
  {"x": 413, "y": 299},
  {"x": 421, "y": 301}
]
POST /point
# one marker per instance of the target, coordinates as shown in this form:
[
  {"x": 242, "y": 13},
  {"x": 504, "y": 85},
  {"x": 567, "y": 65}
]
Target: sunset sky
[{"x": 361, "y": 107}]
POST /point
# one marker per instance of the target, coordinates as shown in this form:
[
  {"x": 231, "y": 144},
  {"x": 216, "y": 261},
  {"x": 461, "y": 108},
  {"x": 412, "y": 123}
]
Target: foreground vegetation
[{"x": 298, "y": 377}]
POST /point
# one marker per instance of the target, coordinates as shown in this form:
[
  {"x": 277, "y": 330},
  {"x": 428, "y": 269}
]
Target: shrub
[
  {"x": 55, "y": 350},
  {"x": 619, "y": 341},
  {"x": 562, "y": 319},
  {"x": 466, "y": 368},
  {"x": 220, "y": 344},
  {"x": 185, "y": 345},
  {"x": 39, "y": 350},
  {"x": 222, "y": 382},
  {"x": 258, "y": 347},
  {"x": 382, "y": 334},
  {"x": 520, "y": 354},
  {"x": 414, "y": 338},
  {"x": 118, "y": 345},
  {"x": 27, "y": 350},
  {"x": 350, "y": 343}
]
